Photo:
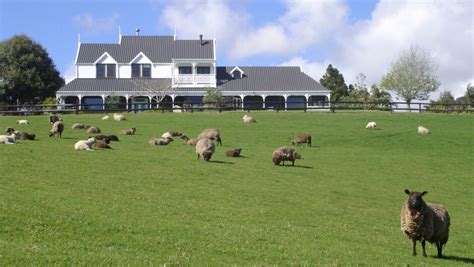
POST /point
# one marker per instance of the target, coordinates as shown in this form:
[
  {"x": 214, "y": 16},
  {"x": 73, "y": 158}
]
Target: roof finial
[{"x": 137, "y": 32}]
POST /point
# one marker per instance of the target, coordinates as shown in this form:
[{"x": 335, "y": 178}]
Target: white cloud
[
  {"x": 96, "y": 25},
  {"x": 70, "y": 72},
  {"x": 313, "y": 69}
]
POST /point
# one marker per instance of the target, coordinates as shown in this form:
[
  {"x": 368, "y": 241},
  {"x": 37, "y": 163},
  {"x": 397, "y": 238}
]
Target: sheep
[
  {"x": 160, "y": 141},
  {"x": 129, "y": 131},
  {"x": 212, "y": 133},
  {"x": 302, "y": 139},
  {"x": 285, "y": 153},
  {"x": 205, "y": 148},
  {"x": 424, "y": 222},
  {"x": 371, "y": 125},
  {"x": 57, "y": 129},
  {"x": 248, "y": 119},
  {"x": 101, "y": 137},
  {"x": 92, "y": 129},
  {"x": 113, "y": 138},
  {"x": 9, "y": 130},
  {"x": 24, "y": 136},
  {"x": 78, "y": 126},
  {"x": 8, "y": 139},
  {"x": 102, "y": 143},
  {"x": 106, "y": 117},
  {"x": 188, "y": 141},
  {"x": 84, "y": 144},
  {"x": 53, "y": 118},
  {"x": 423, "y": 130},
  {"x": 171, "y": 134},
  {"x": 233, "y": 152},
  {"x": 22, "y": 122},
  {"x": 119, "y": 117}
]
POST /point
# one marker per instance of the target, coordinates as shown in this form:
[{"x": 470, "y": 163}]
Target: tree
[
  {"x": 468, "y": 97},
  {"x": 29, "y": 74},
  {"x": 153, "y": 88},
  {"x": 212, "y": 96},
  {"x": 413, "y": 75},
  {"x": 334, "y": 81}
]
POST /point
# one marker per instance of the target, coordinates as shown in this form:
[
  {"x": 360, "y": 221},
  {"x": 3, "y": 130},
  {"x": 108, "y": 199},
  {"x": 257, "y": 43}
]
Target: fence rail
[{"x": 247, "y": 106}]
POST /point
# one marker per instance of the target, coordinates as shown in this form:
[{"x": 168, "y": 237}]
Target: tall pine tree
[{"x": 334, "y": 81}]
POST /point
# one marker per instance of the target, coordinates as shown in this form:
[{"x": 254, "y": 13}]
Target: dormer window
[
  {"x": 105, "y": 70},
  {"x": 141, "y": 70},
  {"x": 237, "y": 73}
]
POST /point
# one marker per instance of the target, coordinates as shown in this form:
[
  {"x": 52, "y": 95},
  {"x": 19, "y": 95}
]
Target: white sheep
[
  {"x": 84, "y": 144},
  {"x": 119, "y": 117},
  {"x": 423, "y": 130},
  {"x": 23, "y": 122},
  {"x": 371, "y": 125},
  {"x": 106, "y": 117},
  {"x": 8, "y": 139},
  {"x": 205, "y": 148},
  {"x": 248, "y": 119}
]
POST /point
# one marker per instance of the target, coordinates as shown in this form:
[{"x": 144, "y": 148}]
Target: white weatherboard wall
[
  {"x": 125, "y": 71},
  {"x": 86, "y": 71},
  {"x": 161, "y": 71}
]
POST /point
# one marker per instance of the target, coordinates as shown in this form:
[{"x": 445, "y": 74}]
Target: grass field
[{"x": 139, "y": 204}]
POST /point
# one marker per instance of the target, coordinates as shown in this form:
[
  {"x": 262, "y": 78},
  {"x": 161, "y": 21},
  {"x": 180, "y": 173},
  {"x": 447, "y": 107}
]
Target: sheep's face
[
  {"x": 415, "y": 199},
  {"x": 9, "y": 130}
]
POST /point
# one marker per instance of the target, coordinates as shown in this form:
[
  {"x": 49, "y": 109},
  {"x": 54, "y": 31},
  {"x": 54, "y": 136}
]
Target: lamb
[
  {"x": 171, "y": 134},
  {"x": 129, "y": 131},
  {"x": 102, "y": 143},
  {"x": 424, "y": 222},
  {"x": 285, "y": 153},
  {"x": 371, "y": 125},
  {"x": 119, "y": 117},
  {"x": 212, "y": 133},
  {"x": 22, "y": 122},
  {"x": 248, "y": 119},
  {"x": 102, "y": 137},
  {"x": 79, "y": 126},
  {"x": 302, "y": 139},
  {"x": 233, "y": 152},
  {"x": 106, "y": 117},
  {"x": 423, "y": 130},
  {"x": 53, "y": 118},
  {"x": 160, "y": 141},
  {"x": 205, "y": 148},
  {"x": 188, "y": 141},
  {"x": 92, "y": 129},
  {"x": 57, "y": 129},
  {"x": 8, "y": 139},
  {"x": 84, "y": 144},
  {"x": 24, "y": 136},
  {"x": 113, "y": 138}
]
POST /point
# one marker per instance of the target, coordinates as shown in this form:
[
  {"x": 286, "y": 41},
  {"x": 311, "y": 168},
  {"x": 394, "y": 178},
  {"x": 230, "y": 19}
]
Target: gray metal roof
[
  {"x": 113, "y": 85},
  {"x": 267, "y": 79},
  {"x": 159, "y": 49}
]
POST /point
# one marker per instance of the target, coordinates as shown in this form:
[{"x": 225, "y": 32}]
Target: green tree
[
  {"x": 334, "y": 81},
  {"x": 413, "y": 75},
  {"x": 212, "y": 97},
  {"x": 29, "y": 74},
  {"x": 468, "y": 97}
]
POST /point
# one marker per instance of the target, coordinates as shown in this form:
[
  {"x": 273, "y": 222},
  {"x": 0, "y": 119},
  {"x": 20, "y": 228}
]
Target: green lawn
[{"x": 139, "y": 204}]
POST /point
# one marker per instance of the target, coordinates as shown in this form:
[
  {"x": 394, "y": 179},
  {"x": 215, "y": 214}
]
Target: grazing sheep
[
  {"x": 205, "y": 148},
  {"x": 78, "y": 126},
  {"x": 285, "y": 153},
  {"x": 102, "y": 143},
  {"x": 160, "y": 141},
  {"x": 93, "y": 130},
  {"x": 212, "y": 133},
  {"x": 57, "y": 129},
  {"x": 53, "y": 118},
  {"x": 233, "y": 152},
  {"x": 22, "y": 122},
  {"x": 424, "y": 222},
  {"x": 302, "y": 139},
  {"x": 106, "y": 117},
  {"x": 119, "y": 117},
  {"x": 84, "y": 144},
  {"x": 8, "y": 139},
  {"x": 113, "y": 138},
  {"x": 423, "y": 130},
  {"x": 129, "y": 131},
  {"x": 371, "y": 125},
  {"x": 248, "y": 119}
]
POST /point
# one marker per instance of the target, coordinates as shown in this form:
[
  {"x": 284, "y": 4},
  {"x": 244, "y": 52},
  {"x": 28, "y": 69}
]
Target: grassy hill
[{"x": 139, "y": 204}]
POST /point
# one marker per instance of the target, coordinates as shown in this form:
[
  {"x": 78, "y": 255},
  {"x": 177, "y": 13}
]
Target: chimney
[
  {"x": 137, "y": 31},
  {"x": 200, "y": 38}
]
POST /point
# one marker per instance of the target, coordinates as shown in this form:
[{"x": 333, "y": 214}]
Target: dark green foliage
[
  {"x": 334, "y": 81},
  {"x": 29, "y": 73}
]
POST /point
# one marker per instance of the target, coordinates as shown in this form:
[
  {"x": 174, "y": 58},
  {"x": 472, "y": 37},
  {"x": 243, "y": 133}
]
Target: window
[
  {"x": 203, "y": 70},
  {"x": 141, "y": 70},
  {"x": 237, "y": 74},
  {"x": 185, "y": 70},
  {"x": 105, "y": 70}
]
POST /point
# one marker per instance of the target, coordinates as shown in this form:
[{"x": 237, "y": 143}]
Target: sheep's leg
[
  {"x": 423, "y": 242},
  {"x": 414, "y": 247},
  {"x": 292, "y": 163},
  {"x": 198, "y": 156},
  {"x": 439, "y": 246}
]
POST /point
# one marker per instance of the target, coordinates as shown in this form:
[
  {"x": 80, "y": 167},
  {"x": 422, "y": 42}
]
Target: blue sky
[{"x": 354, "y": 35}]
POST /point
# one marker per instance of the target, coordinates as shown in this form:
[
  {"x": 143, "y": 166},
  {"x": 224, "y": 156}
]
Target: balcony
[{"x": 194, "y": 79}]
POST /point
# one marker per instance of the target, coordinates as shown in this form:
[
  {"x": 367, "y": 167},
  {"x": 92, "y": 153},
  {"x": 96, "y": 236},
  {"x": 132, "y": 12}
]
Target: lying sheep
[
  {"x": 285, "y": 153},
  {"x": 424, "y": 222},
  {"x": 423, "y": 130},
  {"x": 233, "y": 152},
  {"x": 302, "y": 139},
  {"x": 92, "y": 130},
  {"x": 84, "y": 144},
  {"x": 205, "y": 148},
  {"x": 248, "y": 119},
  {"x": 212, "y": 133},
  {"x": 128, "y": 131},
  {"x": 113, "y": 138},
  {"x": 78, "y": 126},
  {"x": 101, "y": 137},
  {"x": 160, "y": 141},
  {"x": 57, "y": 129},
  {"x": 8, "y": 139},
  {"x": 171, "y": 134},
  {"x": 22, "y": 122},
  {"x": 106, "y": 117},
  {"x": 53, "y": 118},
  {"x": 10, "y": 130},
  {"x": 104, "y": 143},
  {"x": 188, "y": 141},
  {"x": 371, "y": 125},
  {"x": 119, "y": 117},
  {"x": 24, "y": 136}
]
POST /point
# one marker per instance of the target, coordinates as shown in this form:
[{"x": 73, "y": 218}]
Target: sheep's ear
[
  {"x": 407, "y": 191},
  {"x": 424, "y": 193}
]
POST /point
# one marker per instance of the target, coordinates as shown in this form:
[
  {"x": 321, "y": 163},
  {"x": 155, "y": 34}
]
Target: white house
[{"x": 140, "y": 68}]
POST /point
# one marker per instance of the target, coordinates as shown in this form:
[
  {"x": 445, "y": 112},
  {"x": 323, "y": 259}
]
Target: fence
[{"x": 248, "y": 106}]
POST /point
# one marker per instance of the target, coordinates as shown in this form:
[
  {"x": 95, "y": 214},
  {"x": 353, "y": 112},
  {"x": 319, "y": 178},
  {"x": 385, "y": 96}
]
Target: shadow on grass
[
  {"x": 297, "y": 166},
  {"x": 456, "y": 258},
  {"x": 218, "y": 161}
]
